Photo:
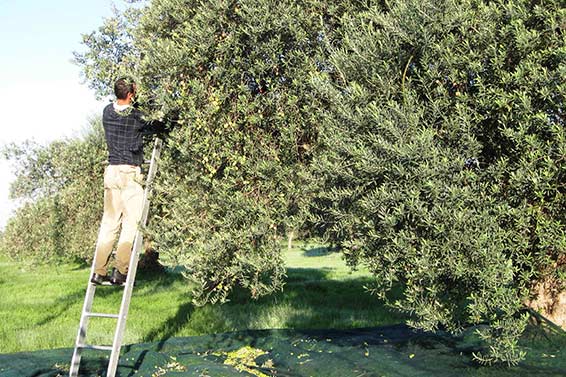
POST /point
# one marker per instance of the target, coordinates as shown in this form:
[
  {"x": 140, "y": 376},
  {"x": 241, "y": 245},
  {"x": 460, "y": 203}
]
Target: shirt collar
[{"x": 120, "y": 107}]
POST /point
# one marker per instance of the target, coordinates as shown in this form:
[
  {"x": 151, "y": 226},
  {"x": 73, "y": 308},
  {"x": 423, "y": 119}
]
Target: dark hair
[{"x": 123, "y": 86}]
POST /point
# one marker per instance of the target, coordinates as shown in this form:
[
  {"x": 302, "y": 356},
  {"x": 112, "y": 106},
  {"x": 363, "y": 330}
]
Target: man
[{"x": 123, "y": 193}]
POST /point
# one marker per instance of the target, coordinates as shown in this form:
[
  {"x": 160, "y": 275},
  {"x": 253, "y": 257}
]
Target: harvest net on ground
[{"x": 384, "y": 351}]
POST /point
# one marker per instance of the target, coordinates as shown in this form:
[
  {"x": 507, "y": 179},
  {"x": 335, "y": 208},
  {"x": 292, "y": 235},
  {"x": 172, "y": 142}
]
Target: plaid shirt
[{"x": 124, "y": 131}]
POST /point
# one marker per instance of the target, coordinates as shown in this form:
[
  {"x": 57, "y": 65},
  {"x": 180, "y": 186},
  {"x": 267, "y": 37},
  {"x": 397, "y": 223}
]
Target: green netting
[{"x": 386, "y": 351}]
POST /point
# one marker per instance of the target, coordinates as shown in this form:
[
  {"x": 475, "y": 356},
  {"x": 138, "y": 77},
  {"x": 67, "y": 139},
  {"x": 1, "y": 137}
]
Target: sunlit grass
[{"x": 40, "y": 306}]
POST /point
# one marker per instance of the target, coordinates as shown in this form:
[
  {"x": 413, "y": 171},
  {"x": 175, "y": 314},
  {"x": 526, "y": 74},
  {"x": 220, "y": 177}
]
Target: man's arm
[{"x": 155, "y": 127}]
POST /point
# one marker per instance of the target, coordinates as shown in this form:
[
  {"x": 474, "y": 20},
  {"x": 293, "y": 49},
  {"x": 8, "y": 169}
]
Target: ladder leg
[
  {"x": 124, "y": 306},
  {"x": 81, "y": 336}
]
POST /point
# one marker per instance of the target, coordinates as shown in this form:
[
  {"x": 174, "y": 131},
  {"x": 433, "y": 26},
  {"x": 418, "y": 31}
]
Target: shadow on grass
[
  {"x": 310, "y": 299},
  {"x": 319, "y": 251},
  {"x": 62, "y": 305},
  {"x": 158, "y": 279},
  {"x": 146, "y": 284},
  {"x": 171, "y": 325}
]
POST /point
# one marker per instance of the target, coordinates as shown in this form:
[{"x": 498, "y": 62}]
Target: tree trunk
[
  {"x": 290, "y": 237},
  {"x": 550, "y": 302},
  {"x": 149, "y": 260}
]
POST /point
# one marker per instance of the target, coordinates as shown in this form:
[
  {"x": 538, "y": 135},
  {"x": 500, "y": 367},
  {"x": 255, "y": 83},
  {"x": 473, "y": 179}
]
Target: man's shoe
[
  {"x": 117, "y": 277},
  {"x": 99, "y": 279}
]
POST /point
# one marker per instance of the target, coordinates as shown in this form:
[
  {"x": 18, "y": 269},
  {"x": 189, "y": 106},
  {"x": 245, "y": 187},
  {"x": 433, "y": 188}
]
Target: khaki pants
[{"x": 123, "y": 201}]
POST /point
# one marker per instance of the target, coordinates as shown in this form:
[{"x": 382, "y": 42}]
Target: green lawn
[{"x": 40, "y": 306}]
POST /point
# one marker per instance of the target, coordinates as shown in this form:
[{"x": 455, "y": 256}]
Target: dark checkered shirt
[{"x": 124, "y": 131}]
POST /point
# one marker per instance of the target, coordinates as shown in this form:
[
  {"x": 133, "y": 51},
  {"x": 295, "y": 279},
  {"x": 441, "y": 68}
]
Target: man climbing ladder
[
  {"x": 124, "y": 130},
  {"x": 126, "y": 204}
]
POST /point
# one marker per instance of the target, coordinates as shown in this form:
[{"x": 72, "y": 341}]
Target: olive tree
[{"x": 441, "y": 164}]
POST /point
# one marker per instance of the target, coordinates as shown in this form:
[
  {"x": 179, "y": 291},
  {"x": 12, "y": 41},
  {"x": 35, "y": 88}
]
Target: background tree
[
  {"x": 59, "y": 187},
  {"x": 441, "y": 167}
]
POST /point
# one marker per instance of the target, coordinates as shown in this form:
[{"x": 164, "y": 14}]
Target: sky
[{"x": 42, "y": 96}]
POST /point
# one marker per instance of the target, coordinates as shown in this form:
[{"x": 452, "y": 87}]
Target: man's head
[{"x": 125, "y": 89}]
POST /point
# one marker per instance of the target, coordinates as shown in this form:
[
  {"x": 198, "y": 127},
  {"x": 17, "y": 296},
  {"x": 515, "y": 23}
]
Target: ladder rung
[
  {"x": 109, "y": 284},
  {"x": 102, "y": 315},
  {"x": 147, "y": 161},
  {"x": 93, "y": 347}
]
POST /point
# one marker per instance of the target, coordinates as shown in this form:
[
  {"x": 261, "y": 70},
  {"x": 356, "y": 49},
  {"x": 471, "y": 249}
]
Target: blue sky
[{"x": 41, "y": 95}]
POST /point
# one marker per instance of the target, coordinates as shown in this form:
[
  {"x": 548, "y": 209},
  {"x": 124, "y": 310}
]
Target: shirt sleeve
[{"x": 149, "y": 127}]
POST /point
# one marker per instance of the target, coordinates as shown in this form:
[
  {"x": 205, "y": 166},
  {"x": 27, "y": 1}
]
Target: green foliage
[
  {"x": 442, "y": 158},
  {"x": 231, "y": 185},
  {"x": 59, "y": 187},
  {"x": 236, "y": 77},
  {"x": 110, "y": 52}
]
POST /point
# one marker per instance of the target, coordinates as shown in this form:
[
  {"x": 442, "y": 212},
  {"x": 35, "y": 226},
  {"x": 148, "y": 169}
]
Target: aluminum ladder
[{"x": 128, "y": 288}]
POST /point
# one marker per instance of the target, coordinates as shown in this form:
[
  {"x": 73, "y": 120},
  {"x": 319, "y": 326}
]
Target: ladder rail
[
  {"x": 128, "y": 287},
  {"x": 81, "y": 336},
  {"x": 83, "y": 324}
]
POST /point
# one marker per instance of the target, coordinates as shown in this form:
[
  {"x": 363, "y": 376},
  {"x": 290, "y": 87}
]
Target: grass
[{"x": 40, "y": 306}]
